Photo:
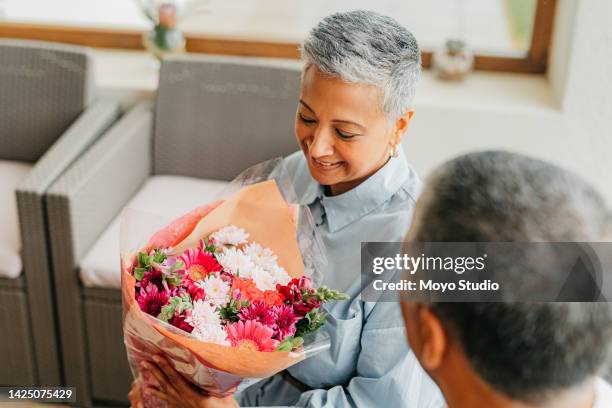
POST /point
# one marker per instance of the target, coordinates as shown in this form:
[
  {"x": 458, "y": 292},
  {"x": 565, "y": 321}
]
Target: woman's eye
[
  {"x": 344, "y": 135},
  {"x": 305, "y": 119}
]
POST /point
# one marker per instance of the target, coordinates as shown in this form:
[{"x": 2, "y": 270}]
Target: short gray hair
[
  {"x": 527, "y": 351},
  {"x": 365, "y": 47}
]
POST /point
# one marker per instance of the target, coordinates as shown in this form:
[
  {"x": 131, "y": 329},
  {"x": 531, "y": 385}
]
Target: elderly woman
[{"x": 359, "y": 79}]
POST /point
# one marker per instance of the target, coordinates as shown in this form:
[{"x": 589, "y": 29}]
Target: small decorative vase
[
  {"x": 453, "y": 62},
  {"x": 165, "y": 38},
  {"x": 163, "y": 41}
]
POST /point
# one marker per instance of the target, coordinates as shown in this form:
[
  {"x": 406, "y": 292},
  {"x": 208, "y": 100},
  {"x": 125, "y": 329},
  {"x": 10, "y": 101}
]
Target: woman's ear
[
  {"x": 401, "y": 125},
  {"x": 432, "y": 338}
]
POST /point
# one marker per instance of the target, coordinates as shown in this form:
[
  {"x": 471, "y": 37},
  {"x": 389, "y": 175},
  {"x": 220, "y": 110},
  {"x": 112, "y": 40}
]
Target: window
[{"x": 506, "y": 35}]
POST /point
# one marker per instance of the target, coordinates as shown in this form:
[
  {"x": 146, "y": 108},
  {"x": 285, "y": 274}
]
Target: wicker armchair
[
  {"x": 212, "y": 118},
  {"x": 47, "y": 119}
]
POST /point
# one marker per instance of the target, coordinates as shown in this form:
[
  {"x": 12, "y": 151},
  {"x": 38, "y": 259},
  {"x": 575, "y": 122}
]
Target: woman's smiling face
[{"x": 342, "y": 130}]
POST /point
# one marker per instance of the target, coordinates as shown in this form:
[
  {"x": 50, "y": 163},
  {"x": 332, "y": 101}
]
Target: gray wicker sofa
[
  {"x": 47, "y": 119},
  {"x": 212, "y": 118}
]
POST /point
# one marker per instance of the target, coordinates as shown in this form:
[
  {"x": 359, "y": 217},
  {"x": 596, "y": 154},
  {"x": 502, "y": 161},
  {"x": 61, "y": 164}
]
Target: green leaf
[
  {"x": 230, "y": 312},
  {"x": 297, "y": 342},
  {"x": 176, "y": 305},
  {"x": 159, "y": 256},
  {"x": 285, "y": 345},
  {"x": 313, "y": 321},
  {"x": 168, "y": 310},
  {"x": 143, "y": 259},
  {"x": 139, "y": 273},
  {"x": 325, "y": 294},
  {"x": 209, "y": 247}
]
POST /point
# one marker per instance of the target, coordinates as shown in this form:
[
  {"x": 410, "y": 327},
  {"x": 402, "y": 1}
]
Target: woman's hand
[{"x": 174, "y": 389}]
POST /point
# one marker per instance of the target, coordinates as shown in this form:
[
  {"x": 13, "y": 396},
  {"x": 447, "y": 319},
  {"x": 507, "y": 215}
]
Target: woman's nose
[{"x": 321, "y": 144}]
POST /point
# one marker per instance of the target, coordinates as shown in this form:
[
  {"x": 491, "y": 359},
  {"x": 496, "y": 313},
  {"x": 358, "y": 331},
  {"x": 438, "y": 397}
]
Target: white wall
[
  {"x": 566, "y": 118},
  {"x": 587, "y": 97}
]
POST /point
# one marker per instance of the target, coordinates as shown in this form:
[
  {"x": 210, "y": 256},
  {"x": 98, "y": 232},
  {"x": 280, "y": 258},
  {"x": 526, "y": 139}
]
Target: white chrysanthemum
[
  {"x": 230, "y": 235},
  {"x": 263, "y": 279},
  {"x": 206, "y": 323},
  {"x": 263, "y": 257},
  {"x": 211, "y": 334},
  {"x": 236, "y": 262},
  {"x": 216, "y": 290},
  {"x": 280, "y": 275},
  {"x": 203, "y": 313}
]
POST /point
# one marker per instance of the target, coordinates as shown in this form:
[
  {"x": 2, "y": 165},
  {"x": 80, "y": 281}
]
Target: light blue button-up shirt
[{"x": 369, "y": 363}]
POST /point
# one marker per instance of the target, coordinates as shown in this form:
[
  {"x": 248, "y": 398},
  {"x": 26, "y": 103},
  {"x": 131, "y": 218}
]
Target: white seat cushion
[
  {"x": 12, "y": 175},
  {"x": 170, "y": 196}
]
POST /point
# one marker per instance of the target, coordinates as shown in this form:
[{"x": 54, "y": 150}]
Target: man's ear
[
  {"x": 433, "y": 340},
  {"x": 401, "y": 125}
]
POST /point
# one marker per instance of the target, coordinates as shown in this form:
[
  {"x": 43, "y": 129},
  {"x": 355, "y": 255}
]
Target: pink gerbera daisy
[
  {"x": 251, "y": 335},
  {"x": 258, "y": 311},
  {"x": 199, "y": 263},
  {"x": 285, "y": 321},
  {"x": 151, "y": 300}
]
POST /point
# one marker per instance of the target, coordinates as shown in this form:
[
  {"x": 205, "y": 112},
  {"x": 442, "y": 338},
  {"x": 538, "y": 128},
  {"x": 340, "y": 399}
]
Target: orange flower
[
  {"x": 273, "y": 298},
  {"x": 247, "y": 289}
]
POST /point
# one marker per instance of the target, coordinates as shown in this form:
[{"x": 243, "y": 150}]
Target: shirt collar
[{"x": 352, "y": 205}]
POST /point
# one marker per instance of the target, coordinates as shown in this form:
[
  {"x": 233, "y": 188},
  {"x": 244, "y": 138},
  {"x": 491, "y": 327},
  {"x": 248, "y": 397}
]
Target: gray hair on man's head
[
  {"x": 528, "y": 351},
  {"x": 365, "y": 47}
]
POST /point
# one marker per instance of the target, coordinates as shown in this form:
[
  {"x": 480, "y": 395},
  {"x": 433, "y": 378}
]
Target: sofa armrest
[
  {"x": 83, "y": 132},
  {"x": 80, "y": 205}
]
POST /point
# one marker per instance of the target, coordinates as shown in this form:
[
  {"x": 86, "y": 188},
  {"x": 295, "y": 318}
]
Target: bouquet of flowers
[{"x": 224, "y": 293}]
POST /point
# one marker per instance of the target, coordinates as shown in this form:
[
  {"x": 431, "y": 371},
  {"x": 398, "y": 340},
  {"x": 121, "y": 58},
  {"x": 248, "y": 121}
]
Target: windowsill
[{"x": 133, "y": 75}]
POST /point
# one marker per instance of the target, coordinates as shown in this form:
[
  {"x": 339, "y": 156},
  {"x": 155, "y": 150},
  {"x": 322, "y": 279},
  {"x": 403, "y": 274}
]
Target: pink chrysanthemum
[
  {"x": 199, "y": 263},
  {"x": 153, "y": 276},
  {"x": 151, "y": 300},
  {"x": 258, "y": 311},
  {"x": 285, "y": 321},
  {"x": 251, "y": 335}
]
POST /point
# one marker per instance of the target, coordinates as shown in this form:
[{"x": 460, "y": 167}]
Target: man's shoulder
[{"x": 604, "y": 394}]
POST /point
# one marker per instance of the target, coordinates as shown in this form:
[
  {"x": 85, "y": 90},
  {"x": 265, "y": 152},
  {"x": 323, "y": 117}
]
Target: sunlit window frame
[{"x": 534, "y": 62}]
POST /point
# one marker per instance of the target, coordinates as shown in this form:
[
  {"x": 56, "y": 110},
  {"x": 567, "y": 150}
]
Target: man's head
[{"x": 518, "y": 352}]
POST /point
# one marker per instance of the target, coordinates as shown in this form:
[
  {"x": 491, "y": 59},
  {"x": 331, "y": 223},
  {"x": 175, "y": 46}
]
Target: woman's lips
[{"x": 325, "y": 165}]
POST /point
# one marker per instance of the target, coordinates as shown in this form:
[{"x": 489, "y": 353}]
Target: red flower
[
  {"x": 179, "y": 321},
  {"x": 285, "y": 321},
  {"x": 258, "y": 311},
  {"x": 195, "y": 292},
  {"x": 291, "y": 292},
  {"x": 302, "y": 308},
  {"x": 154, "y": 276},
  {"x": 151, "y": 300}
]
